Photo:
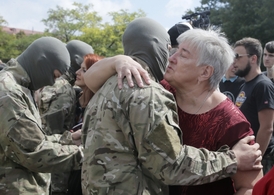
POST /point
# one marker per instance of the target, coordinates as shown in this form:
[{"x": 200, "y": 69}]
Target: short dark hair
[
  {"x": 269, "y": 46},
  {"x": 176, "y": 30},
  {"x": 252, "y": 46}
]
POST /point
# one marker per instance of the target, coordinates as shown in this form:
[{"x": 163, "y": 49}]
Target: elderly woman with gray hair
[{"x": 207, "y": 117}]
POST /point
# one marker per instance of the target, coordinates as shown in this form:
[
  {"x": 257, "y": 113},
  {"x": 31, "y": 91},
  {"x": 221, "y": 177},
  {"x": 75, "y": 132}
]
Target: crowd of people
[{"x": 181, "y": 112}]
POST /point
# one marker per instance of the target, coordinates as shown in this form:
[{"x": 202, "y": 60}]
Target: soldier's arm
[
  {"x": 156, "y": 135},
  {"x": 26, "y": 144},
  {"x": 125, "y": 66},
  {"x": 57, "y": 108}
]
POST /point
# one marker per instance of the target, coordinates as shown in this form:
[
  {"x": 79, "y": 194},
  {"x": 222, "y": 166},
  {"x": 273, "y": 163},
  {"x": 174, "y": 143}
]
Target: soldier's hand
[
  {"x": 76, "y": 137},
  {"x": 248, "y": 156}
]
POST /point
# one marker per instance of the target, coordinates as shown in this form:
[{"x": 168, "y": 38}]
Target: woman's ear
[{"x": 206, "y": 72}]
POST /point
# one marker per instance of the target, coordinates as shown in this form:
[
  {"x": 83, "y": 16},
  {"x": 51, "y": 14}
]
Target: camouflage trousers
[
  {"x": 268, "y": 161},
  {"x": 58, "y": 193},
  {"x": 59, "y": 183}
]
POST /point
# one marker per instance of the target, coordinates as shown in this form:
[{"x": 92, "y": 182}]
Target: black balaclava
[
  {"x": 41, "y": 58},
  {"x": 148, "y": 40},
  {"x": 77, "y": 50}
]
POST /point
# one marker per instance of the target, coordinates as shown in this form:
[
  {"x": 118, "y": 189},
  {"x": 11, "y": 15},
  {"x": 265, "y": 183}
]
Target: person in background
[
  {"x": 86, "y": 94},
  {"x": 268, "y": 60},
  {"x": 231, "y": 84},
  {"x": 256, "y": 97},
  {"x": 174, "y": 33},
  {"x": 57, "y": 104},
  {"x": 74, "y": 183},
  {"x": 28, "y": 155},
  {"x": 77, "y": 50},
  {"x": 132, "y": 143},
  {"x": 176, "y": 30}
]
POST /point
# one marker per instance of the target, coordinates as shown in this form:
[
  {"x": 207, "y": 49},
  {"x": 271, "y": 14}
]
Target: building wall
[{"x": 14, "y": 31}]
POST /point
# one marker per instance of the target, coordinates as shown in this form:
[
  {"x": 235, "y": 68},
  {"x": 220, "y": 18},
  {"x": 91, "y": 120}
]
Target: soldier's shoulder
[
  {"x": 8, "y": 83},
  {"x": 61, "y": 86}
]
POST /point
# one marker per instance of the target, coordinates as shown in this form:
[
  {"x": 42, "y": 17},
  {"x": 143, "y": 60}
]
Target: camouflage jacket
[
  {"x": 27, "y": 155},
  {"x": 132, "y": 145},
  {"x": 57, "y": 106}
]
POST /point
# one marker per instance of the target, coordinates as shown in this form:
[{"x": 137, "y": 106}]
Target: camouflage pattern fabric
[
  {"x": 59, "y": 182},
  {"x": 27, "y": 155},
  {"x": 132, "y": 145},
  {"x": 57, "y": 107}
]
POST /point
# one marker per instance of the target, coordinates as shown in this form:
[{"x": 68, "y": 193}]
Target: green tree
[
  {"x": 3, "y": 21},
  {"x": 106, "y": 39},
  {"x": 13, "y": 45},
  {"x": 66, "y": 23},
  {"x": 216, "y": 9},
  {"x": 266, "y": 15},
  {"x": 5, "y": 49},
  {"x": 240, "y": 19},
  {"x": 243, "y": 18},
  {"x": 22, "y": 42},
  {"x": 77, "y": 23}
]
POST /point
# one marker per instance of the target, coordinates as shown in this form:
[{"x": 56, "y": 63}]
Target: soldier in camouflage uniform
[
  {"x": 57, "y": 104},
  {"x": 131, "y": 136},
  {"x": 28, "y": 156}
]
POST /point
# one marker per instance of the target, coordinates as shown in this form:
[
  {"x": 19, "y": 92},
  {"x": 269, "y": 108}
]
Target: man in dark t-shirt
[
  {"x": 256, "y": 98},
  {"x": 231, "y": 84}
]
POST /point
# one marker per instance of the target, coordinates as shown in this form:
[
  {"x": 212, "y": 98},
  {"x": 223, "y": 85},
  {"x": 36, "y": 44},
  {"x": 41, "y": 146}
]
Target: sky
[{"x": 27, "y": 14}]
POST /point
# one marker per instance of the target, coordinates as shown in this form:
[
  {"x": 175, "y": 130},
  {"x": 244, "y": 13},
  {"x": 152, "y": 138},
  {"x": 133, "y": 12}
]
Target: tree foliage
[
  {"x": 106, "y": 38},
  {"x": 66, "y": 23},
  {"x": 3, "y": 21},
  {"x": 77, "y": 23},
  {"x": 243, "y": 18},
  {"x": 237, "y": 19},
  {"x": 5, "y": 49},
  {"x": 13, "y": 45}
]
